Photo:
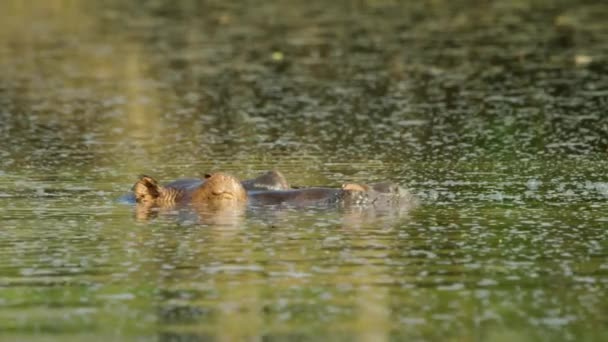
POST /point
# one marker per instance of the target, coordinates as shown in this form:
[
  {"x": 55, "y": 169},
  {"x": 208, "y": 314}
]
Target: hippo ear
[
  {"x": 146, "y": 189},
  {"x": 207, "y": 175},
  {"x": 355, "y": 187}
]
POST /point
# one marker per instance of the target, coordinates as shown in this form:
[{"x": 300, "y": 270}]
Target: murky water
[{"x": 494, "y": 114}]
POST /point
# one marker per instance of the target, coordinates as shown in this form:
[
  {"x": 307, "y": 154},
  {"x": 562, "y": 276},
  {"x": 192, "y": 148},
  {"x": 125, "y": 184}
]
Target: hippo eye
[{"x": 207, "y": 175}]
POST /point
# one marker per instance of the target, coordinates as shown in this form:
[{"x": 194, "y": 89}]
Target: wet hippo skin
[
  {"x": 350, "y": 194},
  {"x": 219, "y": 185},
  {"x": 270, "y": 180},
  {"x": 148, "y": 190}
]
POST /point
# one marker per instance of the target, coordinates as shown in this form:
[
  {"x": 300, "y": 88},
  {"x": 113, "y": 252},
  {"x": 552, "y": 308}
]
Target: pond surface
[{"x": 493, "y": 113}]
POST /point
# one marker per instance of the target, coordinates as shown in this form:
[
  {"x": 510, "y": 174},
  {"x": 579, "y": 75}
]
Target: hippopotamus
[
  {"x": 270, "y": 188},
  {"x": 148, "y": 190}
]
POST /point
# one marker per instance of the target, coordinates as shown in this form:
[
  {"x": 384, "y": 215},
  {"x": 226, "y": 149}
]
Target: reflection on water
[{"x": 493, "y": 113}]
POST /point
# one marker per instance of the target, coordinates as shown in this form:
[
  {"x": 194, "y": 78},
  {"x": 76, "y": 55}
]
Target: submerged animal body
[
  {"x": 349, "y": 195},
  {"x": 148, "y": 190},
  {"x": 269, "y": 189}
]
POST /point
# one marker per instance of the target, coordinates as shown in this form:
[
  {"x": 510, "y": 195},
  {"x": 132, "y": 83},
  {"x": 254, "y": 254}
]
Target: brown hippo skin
[
  {"x": 217, "y": 187},
  {"x": 223, "y": 188},
  {"x": 148, "y": 190}
]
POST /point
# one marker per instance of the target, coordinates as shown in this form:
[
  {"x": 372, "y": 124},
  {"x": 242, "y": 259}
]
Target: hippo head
[{"x": 220, "y": 188}]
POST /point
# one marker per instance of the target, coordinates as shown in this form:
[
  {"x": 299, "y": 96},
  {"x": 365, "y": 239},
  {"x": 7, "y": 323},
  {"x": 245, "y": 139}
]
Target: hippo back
[{"x": 384, "y": 194}]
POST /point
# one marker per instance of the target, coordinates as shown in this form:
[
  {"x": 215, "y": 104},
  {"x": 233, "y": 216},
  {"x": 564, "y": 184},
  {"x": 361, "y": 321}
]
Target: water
[{"x": 494, "y": 114}]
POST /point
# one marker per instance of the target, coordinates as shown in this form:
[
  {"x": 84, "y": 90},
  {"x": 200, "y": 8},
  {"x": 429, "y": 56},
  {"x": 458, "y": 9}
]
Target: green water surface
[{"x": 494, "y": 113}]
